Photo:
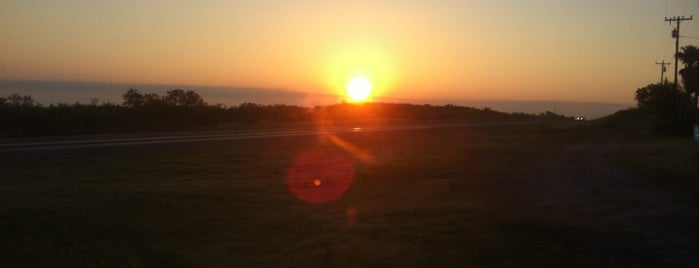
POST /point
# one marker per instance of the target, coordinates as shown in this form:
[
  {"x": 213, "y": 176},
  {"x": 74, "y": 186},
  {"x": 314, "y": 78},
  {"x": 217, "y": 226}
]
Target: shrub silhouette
[
  {"x": 668, "y": 108},
  {"x": 186, "y": 110}
]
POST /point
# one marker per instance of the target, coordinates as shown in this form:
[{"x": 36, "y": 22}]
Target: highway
[{"x": 78, "y": 142}]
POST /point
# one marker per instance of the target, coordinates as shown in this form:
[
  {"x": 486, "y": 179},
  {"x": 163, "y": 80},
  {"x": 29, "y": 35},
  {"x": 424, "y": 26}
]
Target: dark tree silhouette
[
  {"x": 181, "y": 98},
  {"x": 689, "y": 55},
  {"x": 153, "y": 100},
  {"x": 18, "y": 101},
  {"x": 132, "y": 98},
  {"x": 656, "y": 96},
  {"x": 690, "y": 73},
  {"x": 661, "y": 102}
]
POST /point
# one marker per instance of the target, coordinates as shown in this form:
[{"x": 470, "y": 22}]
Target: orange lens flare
[
  {"x": 351, "y": 148},
  {"x": 314, "y": 168}
]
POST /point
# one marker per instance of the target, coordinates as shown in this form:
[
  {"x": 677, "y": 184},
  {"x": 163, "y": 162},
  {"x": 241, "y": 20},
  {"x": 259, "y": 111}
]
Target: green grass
[{"x": 507, "y": 196}]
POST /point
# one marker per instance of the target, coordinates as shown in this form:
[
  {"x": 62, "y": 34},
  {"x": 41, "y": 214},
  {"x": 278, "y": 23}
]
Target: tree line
[
  {"x": 670, "y": 109},
  {"x": 186, "y": 110}
]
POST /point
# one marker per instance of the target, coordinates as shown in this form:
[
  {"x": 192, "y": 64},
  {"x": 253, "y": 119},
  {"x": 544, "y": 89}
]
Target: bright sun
[{"x": 359, "y": 88}]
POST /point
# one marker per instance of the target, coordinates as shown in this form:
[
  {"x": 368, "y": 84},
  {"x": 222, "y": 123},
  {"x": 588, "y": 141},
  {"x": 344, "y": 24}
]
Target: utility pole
[
  {"x": 662, "y": 71},
  {"x": 676, "y": 35}
]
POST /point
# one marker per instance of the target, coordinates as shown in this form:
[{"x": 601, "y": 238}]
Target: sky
[{"x": 587, "y": 51}]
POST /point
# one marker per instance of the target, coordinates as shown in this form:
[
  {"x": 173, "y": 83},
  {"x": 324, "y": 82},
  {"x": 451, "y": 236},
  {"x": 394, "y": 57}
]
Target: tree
[
  {"x": 132, "y": 98},
  {"x": 18, "y": 101},
  {"x": 689, "y": 55},
  {"x": 193, "y": 99},
  {"x": 661, "y": 102},
  {"x": 656, "y": 96},
  {"x": 690, "y": 73},
  {"x": 153, "y": 100},
  {"x": 181, "y": 98}
]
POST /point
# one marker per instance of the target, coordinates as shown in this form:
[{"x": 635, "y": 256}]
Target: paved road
[{"x": 62, "y": 143}]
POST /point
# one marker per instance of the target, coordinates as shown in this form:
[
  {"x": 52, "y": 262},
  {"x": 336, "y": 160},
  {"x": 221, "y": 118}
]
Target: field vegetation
[
  {"x": 542, "y": 195},
  {"x": 181, "y": 110}
]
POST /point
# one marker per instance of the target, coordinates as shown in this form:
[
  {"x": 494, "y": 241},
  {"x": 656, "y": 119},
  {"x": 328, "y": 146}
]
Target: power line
[
  {"x": 663, "y": 46},
  {"x": 661, "y": 42}
]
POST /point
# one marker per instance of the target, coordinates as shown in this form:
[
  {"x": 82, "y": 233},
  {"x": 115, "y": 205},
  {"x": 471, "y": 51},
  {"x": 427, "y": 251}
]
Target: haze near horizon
[{"x": 582, "y": 51}]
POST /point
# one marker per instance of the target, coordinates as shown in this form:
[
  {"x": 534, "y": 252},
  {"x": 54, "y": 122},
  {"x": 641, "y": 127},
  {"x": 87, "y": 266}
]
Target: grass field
[{"x": 536, "y": 195}]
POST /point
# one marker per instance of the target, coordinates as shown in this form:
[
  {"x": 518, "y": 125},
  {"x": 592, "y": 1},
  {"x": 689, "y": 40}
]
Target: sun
[{"x": 359, "y": 88}]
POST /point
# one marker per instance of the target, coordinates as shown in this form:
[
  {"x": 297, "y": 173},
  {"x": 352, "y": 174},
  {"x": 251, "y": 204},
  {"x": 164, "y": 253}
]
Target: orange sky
[{"x": 476, "y": 50}]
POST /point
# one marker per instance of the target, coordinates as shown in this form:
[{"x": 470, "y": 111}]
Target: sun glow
[
  {"x": 372, "y": 59},
  {"x": 359, "y": 88}
]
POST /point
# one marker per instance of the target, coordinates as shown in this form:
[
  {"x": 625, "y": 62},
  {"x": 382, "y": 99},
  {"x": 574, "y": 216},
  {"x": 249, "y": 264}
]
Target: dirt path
[{"x": 613, "y": 212}]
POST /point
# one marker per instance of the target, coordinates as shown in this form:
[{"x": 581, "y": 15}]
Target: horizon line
[{"x": 410, "y": 100}]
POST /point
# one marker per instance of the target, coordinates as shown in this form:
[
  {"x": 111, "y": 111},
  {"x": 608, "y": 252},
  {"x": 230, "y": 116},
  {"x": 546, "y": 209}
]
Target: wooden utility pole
[
  {"x": 662, "y": 71},
  {"x": 676, "y": 35}
]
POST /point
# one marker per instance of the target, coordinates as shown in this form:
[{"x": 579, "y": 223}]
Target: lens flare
[{"x": 319, "y": 175}]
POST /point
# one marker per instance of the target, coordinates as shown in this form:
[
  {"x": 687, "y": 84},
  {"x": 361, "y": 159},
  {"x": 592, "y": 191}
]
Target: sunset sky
[{"x": 478, "y": 50}]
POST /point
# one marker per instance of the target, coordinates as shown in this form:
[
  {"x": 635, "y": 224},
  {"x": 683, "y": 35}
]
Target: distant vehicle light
[{"x": 579, "y": 118}]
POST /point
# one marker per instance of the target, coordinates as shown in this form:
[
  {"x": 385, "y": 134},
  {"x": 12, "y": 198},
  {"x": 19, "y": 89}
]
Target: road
[{"x": 78, "y": 142}]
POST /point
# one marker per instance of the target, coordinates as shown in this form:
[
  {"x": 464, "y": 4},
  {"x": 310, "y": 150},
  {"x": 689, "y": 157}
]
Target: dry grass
[{"x": 428, "y": 198}]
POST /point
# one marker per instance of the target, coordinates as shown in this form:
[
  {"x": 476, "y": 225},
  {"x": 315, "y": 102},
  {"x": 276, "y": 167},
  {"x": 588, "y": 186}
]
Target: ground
[{"x": 507, "y": 196}]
